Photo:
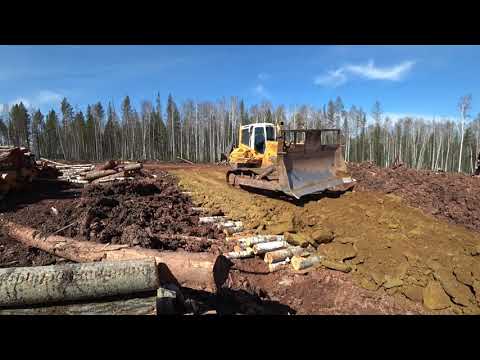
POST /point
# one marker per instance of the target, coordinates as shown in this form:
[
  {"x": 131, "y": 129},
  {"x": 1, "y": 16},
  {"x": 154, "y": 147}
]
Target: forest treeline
[{"x": 200, "y": 132}]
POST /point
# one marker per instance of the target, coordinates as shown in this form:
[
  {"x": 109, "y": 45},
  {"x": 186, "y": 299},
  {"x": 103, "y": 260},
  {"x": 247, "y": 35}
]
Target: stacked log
[
  {"x": 18, "y": 168},
  {"x": 276, "y": 252},
  {"x": 87, "y": 173}
]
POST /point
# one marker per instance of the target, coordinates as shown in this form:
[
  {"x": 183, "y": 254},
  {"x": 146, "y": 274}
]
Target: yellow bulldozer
[{"x": 296, "y": 162}]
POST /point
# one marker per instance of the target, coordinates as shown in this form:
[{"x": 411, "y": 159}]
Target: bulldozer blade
[{"x": 311, "y": 168}]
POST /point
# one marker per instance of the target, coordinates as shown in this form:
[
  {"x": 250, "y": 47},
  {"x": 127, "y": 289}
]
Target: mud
[
  {"x": 13, "y": 254},
  {"x": 447, "y": 196},
  {"x": 138, "y": 213},
  {"x": 392, "y": 248},
  {"x": 402, "y": 256}
]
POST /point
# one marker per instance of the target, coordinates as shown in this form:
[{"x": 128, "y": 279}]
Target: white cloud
[
  {"x": 260, "y": 91},
  {"x": 333, "y": 78},
  {"x": 263, "y": 76},
  {"x": 368, "y": 71},
  {"x": 44, "y": 97},
  {"x": 428, "y": 117}
]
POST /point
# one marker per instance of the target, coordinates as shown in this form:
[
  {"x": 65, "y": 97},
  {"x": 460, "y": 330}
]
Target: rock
[
  {"x": 322, "y": 236},
  {"x": 368, "y": 284},
  {"x": 346, "y": 240},
  {"x": 285, "y": 282},
  {"x": 394, "y": 198},
  {"x": 358, "y": 260},
  {"x": 281, "y": 228},
  {"x": 476, "y": 288},
  {"x": 311, "y": 220},
  {"x": 337, "y": 266},
  {"x": 391, "y": 291},
  {"x": 464, "y": 276},
  {"x": 298, "y": 239},
  {"x": 378, "y": 277},
  {"x": 254, "y": 224},
  {"x": 413, "y": 292},
  {"x": 475, "y": 251},
  {"x": 435, "y": 298},
  {"x": 459, "y": 292},
  {"x": 338, "y": 252},
  {"x": 391, "y": 282}
]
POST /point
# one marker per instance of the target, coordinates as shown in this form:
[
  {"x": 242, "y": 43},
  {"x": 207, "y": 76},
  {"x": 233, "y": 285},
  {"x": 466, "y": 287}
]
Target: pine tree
[
  {"x": 37, "y": 132},
  {"x": 81, "y": 129},
  {"x": 52, "y": 138}
]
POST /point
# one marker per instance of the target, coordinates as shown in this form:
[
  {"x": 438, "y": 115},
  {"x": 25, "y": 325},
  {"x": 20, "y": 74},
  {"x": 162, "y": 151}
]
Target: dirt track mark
[{"x": 395, "y": 247}]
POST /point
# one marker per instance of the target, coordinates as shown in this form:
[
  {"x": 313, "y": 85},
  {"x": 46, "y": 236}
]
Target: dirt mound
[
  {"x": 142, "y": 213},
  {"x": 391, "y": 247},
  {"x": 452, "y": 197}
]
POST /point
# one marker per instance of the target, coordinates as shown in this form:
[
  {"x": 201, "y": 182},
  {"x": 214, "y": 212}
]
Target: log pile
[
  {"x": 98, "y": 288},
  {"x": 87, "y": 173},
  {"x": 277, "y": 253},
  {"x": 18, "y": 168}
]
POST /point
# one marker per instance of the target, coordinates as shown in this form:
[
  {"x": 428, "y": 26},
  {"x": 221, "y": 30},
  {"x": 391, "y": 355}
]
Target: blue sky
[{"x": 417, "y": 80}]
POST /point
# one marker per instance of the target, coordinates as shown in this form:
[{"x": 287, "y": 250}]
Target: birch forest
[{"x": 202, "y": 131}]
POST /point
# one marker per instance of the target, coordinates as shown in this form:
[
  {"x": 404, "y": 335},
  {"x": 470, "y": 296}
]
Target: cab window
[
  {"x": 270, "y": 133},
  {"x": 259, "y": 140},
  {"x": 245, "y": 137}
]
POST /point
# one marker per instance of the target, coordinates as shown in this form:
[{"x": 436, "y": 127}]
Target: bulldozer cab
[{"x": 256, "y": 136}]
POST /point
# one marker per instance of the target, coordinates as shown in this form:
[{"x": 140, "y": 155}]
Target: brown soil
[
  {"x": 13, "y": 254},
  {"x": 394, "y": 250},
  {"x": 451, "y": 197},
  {"x": 404, "y": 256},
  {"x": 136, "y": 213}
]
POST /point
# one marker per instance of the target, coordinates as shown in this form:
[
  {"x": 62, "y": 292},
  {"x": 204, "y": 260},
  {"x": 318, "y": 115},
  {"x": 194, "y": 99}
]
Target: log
[
  {"x": 133, "y": 306},
  {"x": 240, "y": 254},
  {"x": 110, "y": 164},
  {"x": 119, "y": 179},
  {"x": 92, "y": 175},
  {"x": 76, "y": 181},
  {"x": 278, "y": 266},
  {"x": 73, "y": 282},
  {"x": 252, "y": 240},
  {"x": 132, "y": 167},
  {"x": 282, "y": 254},
  {"x": 232, "y": 230},
  {"x": 103, "y": 180},
  {"x": 183, "y": 237},
  {"x": 194, "y": 270},
  {"x": 262, "y": 248},
  {"x": 300, "y": 263},
  {"x": 52, "y": 162},
  {"x": 109, "y": 177},
  {"x": 211, "y": 219},
  {"x": 187, "y": 161},
  {"x": 75, "y": 167}
]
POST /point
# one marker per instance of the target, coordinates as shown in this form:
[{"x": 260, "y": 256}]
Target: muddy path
[{"x": 402, "y": 254}]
